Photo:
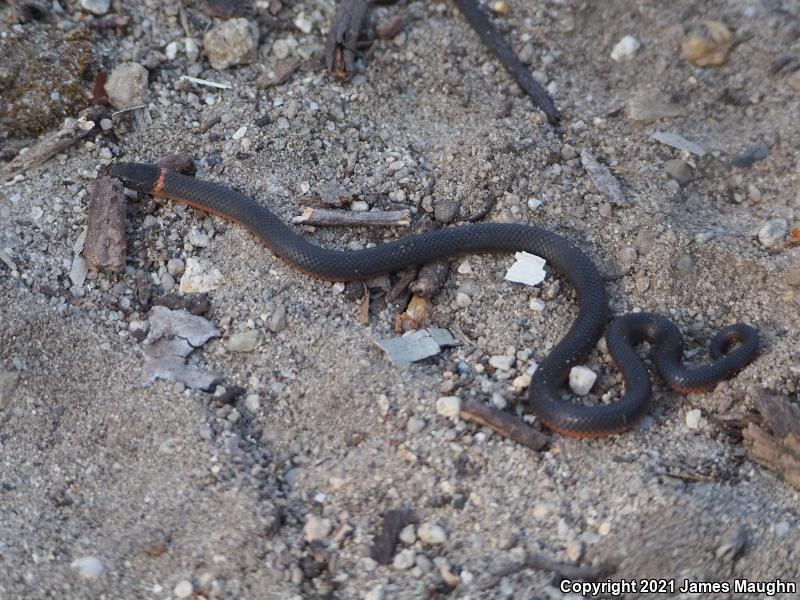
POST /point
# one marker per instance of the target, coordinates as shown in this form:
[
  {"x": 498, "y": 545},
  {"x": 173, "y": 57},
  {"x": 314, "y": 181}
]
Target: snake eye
[{"x": 141, "y": 177}]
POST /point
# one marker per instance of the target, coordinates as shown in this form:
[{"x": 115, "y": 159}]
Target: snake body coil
[{"x": 544, "y": 395}]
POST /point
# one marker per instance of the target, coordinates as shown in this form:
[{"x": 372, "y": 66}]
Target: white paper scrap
[{"x": 527, "y": 269}]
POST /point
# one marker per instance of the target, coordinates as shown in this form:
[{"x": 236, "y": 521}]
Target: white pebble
[
  {"x": 625, "y": 49},
  {"x": 408, "y": 535},
  {"x": 359, "y": 206},
  {"x": 316, "y": 528},
  {"x": 252, "y": 402},
  {"x": 693, "y": 418},
  {"x": 534, "y": 203},
  {"x": 199, "y": 238},
  {"x": 88, "y": 566},
  {"x": 171, "y": 51},
  {"x": 772, "y": 232},
  {"x": 581, "y": 380},
  {"x": 502, "y": 362},
  {"x": 240, "y": 133},
  {"x": 200, "y": 277},
  {"x": 463, "y": 300},
  {"x": 430, "y": 533},
  {"x": 183, "y": 589},
  {"x": 448, "y": 406},
  {"x": 537, "y": 304},
  {"x": 404, "y": 560}
]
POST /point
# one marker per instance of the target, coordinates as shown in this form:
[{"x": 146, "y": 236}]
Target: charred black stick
[
  {"x": 340, "y": 50},
  {"x": 500, "y": 48}
]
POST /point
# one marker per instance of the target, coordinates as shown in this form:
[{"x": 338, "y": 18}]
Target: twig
[
  {"x": 51, "y": 144},
  {"x": 325, "y": 217},
  {"x": 206, "y": 82},
  {"x": 340, "y": 50},
  {"x": 503, "y": 423},
  {"x": 542, "y": 563},
  {"x": 500, "y": 48},
  {"x": 129, "y": 109}
]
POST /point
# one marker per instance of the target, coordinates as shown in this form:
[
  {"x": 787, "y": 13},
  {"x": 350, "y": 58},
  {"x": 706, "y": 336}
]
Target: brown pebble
[
  {"x": 431, "y": 278},
  {"x": 197, "y": 304},
  {"x": 105, "y": 244},
  {"x": 388, "y": 29},
  {"x": 182, "y": 162}
]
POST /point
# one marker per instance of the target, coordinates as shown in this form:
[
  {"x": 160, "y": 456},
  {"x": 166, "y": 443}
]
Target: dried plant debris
[
  {"x": 104, "y": 246},
  {"x": 776, "y": 445},
  {"x": 604, "y": 181}
]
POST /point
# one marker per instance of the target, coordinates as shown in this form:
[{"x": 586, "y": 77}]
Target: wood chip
[
  {"x": 776, "y": 445},
  {"x": 340, "y": 50},
  {"x": 327, "y": 217},
  {"x": 604, "y": 181},
  {"x": 503, "y": 423},
  {"x": 104, "y": 246}
]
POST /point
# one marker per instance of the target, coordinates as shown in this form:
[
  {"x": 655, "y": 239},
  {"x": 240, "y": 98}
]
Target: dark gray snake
[{"x": 732, "y": 348}]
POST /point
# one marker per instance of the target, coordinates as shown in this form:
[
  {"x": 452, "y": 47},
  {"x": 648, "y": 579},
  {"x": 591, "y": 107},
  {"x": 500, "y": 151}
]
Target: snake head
[{"x": 141, "y": 177}]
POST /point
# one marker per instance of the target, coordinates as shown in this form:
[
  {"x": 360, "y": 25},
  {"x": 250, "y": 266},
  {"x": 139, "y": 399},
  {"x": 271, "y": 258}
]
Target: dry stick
[
  {"x": 542, "y": 563},
  {"x": 503, "y": 423},
  {"x": 500, "y": 48},
  {"x": 340, "y": 50},
  {"x": 53, "y": 143},
  {"x": 324, "y": 217}
]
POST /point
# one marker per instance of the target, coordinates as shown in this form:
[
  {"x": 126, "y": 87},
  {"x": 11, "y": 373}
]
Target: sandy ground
[{"x": 164, "y": 489}]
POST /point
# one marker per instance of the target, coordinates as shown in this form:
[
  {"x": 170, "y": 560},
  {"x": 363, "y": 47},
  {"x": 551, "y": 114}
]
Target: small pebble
[
  {"x": 277, "y": 322},
  {"x": 88, "y": 566},
  {"x": 232, "y": 42},
  {"x": 175, "y": 267},
  {"x": 252, "y": 402},
  {"x": 404, "y": 560},
  {"x": 678, "y": 170},
  {"x": 625, "y": 49},
  {"x": 171, "y": 50},
  {"x": 773, "y": 232},
  {"x": 693, "y": 418},
  {"x": 462, "y": 300},
  {"x": 127, "y": 85},
  {"x": 448, "y": 406},
  {"x": 198, "y": 238},
  {"x": 96, "y": 7},
  {"x": 316, "y": 528},
  {"x": 183, "y": 589},
  {"x": 245, "y": 341},
  {"x": 581, "y": 380},
  {"x": 502, "y": 362},
  {"x": 415, "y": 425},
  {"x": 408, "y": 535},
  {"x": 199, "y": 276},
  {"x": 433, "y": 534}
]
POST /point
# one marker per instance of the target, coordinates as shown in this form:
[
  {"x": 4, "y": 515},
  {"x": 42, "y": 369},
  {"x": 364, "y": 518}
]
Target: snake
[{"x": 731, "y": 348}]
